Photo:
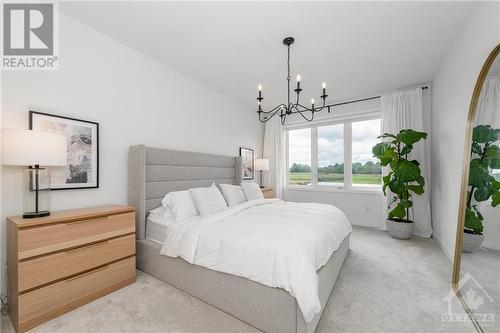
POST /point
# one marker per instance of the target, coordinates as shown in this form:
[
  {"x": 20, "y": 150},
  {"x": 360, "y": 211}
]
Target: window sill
[{"x": 353, "y": 190}]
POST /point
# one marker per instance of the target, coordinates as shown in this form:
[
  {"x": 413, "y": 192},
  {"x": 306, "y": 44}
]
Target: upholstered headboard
[{"x": 153, "y": 172}]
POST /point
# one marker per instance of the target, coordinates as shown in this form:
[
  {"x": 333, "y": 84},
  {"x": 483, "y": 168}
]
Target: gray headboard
[{"x": 153, "y": 172}]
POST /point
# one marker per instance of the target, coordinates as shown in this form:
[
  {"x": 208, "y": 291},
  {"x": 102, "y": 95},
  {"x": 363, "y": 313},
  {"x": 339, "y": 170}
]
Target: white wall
[
  {"x": 452, "y": 91},
  {"x": 364, "y": 209},
  {"x": 134, "y": 99}
]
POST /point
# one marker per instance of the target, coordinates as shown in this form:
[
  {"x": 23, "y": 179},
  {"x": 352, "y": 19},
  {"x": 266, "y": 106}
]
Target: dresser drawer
[
  {"x": 36, "y": 241},
  {"x": 65, "y": 295},
  {"x": 48, "y": 268}
]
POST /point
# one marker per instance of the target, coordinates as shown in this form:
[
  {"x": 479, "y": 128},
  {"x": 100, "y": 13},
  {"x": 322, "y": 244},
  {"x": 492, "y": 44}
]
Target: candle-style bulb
[
  {"x": 298, "y": 77},
  {"x": 312, "y": 101},
  {"x": 323, "y": 85},
  {"x": 260, "y": 87}
]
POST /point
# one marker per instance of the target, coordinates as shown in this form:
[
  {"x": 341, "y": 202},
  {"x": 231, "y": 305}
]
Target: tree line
[{"x": 357, "y": 168}]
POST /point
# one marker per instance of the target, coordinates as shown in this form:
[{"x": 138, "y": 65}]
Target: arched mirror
[{"x": 476, "y": 271}]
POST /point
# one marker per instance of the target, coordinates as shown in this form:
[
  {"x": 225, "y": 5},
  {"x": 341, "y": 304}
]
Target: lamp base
[
  {"x": 36, "y": 194},
  {"x": 32, "y": 215}
]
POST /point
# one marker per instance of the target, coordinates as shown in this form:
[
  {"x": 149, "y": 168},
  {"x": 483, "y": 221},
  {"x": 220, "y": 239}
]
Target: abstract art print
[
  {"x": 82, "y": 170},
  {"x": 246, "y": 162}
]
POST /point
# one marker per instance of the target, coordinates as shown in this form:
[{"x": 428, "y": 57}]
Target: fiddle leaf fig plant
[
  {"x": 405, "y": 176},
  {"x": 485, "y": 155}
]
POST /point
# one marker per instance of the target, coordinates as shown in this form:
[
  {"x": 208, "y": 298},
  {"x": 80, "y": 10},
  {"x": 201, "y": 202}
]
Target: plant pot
[
  {"x": 471, "y": 242},
  {"x": 400, "y": 230}
]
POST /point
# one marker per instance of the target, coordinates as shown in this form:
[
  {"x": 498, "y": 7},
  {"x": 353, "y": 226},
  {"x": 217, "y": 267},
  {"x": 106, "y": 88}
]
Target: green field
[{"x": 304, "y": 178}]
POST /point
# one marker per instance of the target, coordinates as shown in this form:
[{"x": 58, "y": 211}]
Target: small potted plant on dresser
[
  {"x": 404, "y": 178},
  {"x": 485, "y": 155}
]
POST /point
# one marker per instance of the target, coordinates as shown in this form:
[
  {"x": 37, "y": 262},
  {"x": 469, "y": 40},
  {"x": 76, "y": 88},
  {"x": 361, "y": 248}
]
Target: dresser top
[{"x": 71, "y": 215}]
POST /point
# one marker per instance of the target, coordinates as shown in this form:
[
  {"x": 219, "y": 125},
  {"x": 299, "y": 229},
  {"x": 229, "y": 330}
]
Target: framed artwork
[
  {"x": 82, "y": 170},
  {"x": 247, "y": 163}
]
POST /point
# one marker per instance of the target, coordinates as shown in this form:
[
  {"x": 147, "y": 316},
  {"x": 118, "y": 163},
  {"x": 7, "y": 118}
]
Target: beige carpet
[
  {"x": 386, "y": 285},
  {"x": 484, "y": 267}
]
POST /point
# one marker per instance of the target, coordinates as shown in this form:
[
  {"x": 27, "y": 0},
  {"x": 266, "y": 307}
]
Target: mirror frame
[{"x": 465, "y": 180}]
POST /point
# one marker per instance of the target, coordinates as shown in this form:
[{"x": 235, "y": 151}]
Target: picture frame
[
  {"x": 82, "y": 171},
  {"x": 247, "y": 163}
]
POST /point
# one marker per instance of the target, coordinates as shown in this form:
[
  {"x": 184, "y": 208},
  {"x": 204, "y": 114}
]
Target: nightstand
[
  {"x": 62, "y": 261},
  {"x": 268, "y": 192}
]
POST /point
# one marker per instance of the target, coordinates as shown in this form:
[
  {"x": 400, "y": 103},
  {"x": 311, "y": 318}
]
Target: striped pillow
[{"x": 208, "y": 200}]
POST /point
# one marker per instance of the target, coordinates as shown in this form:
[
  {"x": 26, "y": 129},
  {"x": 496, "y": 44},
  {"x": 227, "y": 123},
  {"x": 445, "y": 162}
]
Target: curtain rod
[{"x": 357, "y": 100}]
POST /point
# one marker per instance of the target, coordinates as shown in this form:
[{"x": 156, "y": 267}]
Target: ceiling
[{"x": 358, "y": 48}]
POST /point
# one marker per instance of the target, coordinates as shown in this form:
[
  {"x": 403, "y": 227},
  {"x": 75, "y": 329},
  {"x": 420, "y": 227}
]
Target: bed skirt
[{"x": 271, "y": 310}]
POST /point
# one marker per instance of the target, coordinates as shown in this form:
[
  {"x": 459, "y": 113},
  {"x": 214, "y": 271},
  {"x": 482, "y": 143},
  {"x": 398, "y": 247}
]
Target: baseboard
[
  {"x": 362, "y": 223},
  {"x": 439, "y": 243}
]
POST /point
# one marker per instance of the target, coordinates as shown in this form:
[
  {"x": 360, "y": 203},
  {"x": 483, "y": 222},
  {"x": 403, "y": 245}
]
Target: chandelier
[{"x": 290, "y": 108}]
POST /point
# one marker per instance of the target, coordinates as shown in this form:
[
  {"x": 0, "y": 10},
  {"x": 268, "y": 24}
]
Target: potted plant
[
  {"x": 485, "y": 155},
  {"x": 404, "y": 178}
]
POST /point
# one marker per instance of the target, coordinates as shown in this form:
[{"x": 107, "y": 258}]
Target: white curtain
[
  {"x": 489, "y": 103},
  {"x": 274, "y": 151},
  {"x": 402, "y": 110}
]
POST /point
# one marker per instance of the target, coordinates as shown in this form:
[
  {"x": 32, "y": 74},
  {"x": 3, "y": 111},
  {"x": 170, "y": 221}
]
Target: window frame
[{"x": 346, "y": 121}]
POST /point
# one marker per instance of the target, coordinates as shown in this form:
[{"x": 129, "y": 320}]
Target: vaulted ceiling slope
[{"x": 358, "y": 48}]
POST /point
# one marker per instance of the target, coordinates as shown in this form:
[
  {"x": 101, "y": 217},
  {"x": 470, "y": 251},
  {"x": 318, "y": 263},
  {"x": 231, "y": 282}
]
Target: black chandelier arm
[
  {"x": 321, "y": 108},
  {"x": 276, "y": 108},
  {"x": 301, "y": 112},
  {"x": 266, "y": 118},
  {"x": 298, "y": 95},
  {"x": 274, "y": 111},
  {"x": 312, "y": 110},
  {"x": 304, "y": 109}
]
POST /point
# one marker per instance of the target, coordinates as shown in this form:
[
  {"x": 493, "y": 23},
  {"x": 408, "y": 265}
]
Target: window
[
  {"x": 366, "y": 170},
  {"x": 331, "y": 155},
  {"x": 338, "y": 154},
  {"x": 299, "y": 156}
]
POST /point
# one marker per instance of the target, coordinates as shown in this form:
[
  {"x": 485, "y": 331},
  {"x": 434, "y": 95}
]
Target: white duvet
[{"x": 276, "y": 243}]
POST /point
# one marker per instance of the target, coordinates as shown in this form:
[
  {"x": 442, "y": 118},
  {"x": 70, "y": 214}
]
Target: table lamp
[
  {"x": 261, "y": 164},
  {"x": 33, "y": 149}
]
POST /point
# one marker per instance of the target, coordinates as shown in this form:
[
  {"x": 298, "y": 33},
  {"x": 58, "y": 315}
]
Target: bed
[{"x": 153, "y": 172}]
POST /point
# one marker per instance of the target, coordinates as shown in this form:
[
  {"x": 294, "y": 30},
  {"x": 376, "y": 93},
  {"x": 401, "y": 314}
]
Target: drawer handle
[
  {"x": 86, "y": 247},
  {"x": 87, "y": 273},
  {"x": 85, "y": 221}
]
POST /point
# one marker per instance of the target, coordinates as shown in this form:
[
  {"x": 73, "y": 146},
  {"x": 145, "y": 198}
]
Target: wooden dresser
[
  {"x": 268, "y": 192},
  {"x": 62, "y": 261}
]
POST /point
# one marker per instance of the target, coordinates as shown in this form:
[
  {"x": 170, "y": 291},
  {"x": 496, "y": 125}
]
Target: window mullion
[
  {"x": 348, "y": 155},
  {"x": 314, "y": 156}
]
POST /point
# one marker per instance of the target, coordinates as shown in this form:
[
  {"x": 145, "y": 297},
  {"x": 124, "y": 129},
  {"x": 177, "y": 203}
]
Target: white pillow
[
  {"x": 233, "y": 194},
  {"x": 181, "y": 203},
  {"x": 165, "y": 212},
  {"x": 252, "y": 191},
  {"x": 162, "y": 215},
  {"x": 208, "y": 200}
]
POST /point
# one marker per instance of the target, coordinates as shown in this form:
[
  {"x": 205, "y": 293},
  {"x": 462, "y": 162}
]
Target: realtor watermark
[
  {"x": 30, "y": 35},
  {"x": 477, "y": 300}
]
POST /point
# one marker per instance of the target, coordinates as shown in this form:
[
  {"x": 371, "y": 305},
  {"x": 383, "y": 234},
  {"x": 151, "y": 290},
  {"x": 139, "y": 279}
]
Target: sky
[{"x": 331, "y": 146}]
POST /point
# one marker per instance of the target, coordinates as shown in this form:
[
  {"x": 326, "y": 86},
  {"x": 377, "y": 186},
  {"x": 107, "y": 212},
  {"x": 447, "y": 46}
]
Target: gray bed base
[
  {"x": 268, "y": 309},
  {"x": 154, "y": 172}
]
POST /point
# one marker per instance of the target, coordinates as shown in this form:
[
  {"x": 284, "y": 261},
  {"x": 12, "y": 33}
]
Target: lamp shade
[
  {"x": 262, "y": 164},
  {"x": 27, "y": 148}
]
